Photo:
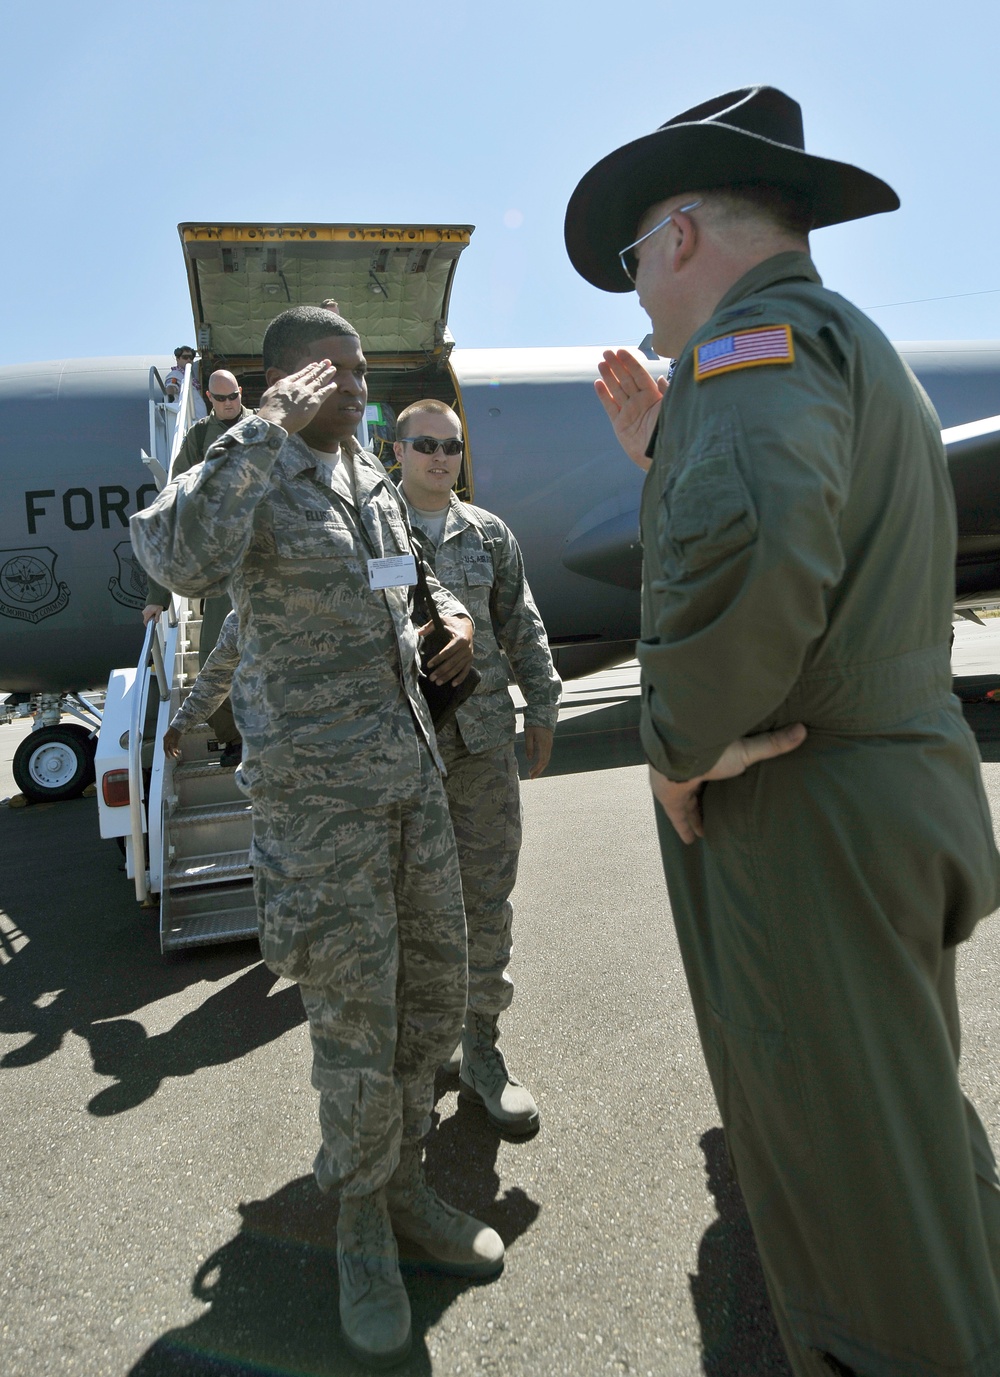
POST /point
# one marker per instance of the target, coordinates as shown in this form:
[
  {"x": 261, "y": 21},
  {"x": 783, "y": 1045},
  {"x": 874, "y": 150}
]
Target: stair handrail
[
  {"x": 154, "y": 641},
  {"x": 185, "y": 413},
  {"x": 140, "y": 688},
  {"x": 152, "y": 656}
]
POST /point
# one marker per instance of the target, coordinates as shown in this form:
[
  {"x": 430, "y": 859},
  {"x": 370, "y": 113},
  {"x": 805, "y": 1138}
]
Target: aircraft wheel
[
  {"x": 54, "y": 763},
  {"x": 89, "y": 742}
]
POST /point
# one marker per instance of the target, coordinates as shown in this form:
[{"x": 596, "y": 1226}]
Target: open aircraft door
[{"x": 392, "y": 282}]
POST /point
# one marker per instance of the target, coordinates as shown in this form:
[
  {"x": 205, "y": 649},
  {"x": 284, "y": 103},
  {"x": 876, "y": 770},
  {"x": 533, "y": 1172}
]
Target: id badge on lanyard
[{"x": 394, "y": 571}]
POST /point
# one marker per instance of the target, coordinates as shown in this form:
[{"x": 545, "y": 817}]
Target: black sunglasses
[
  {"x": 223, "y": 396},
  {"x": 189, "y": 357},
  {"x": 427, "y": 444}
]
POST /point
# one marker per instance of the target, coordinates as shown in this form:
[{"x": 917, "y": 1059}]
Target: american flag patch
[{"x": 745, "y": 349}]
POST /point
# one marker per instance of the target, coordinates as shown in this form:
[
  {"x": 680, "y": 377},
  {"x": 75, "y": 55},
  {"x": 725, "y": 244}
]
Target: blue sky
[{"x": 124, "y": 119}]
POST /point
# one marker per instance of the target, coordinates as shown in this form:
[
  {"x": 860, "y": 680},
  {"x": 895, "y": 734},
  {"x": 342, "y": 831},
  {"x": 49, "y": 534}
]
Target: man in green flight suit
[{"x": 824, "y": 830}]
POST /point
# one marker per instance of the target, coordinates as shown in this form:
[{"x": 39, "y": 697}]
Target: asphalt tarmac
[{"x": 157, "y": 1128}]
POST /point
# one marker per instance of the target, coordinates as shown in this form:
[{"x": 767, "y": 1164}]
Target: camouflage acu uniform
[
  {"x": 215, "y": 681},
  {"x": 358, "y": 888},
  {"x": 195, "y": 445},
  {"x": 479, "y": 560}
]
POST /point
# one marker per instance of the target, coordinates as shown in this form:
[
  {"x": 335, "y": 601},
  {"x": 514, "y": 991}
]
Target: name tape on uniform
[
  {"x": 395, "y": 571},
  {"x": 744, "y": 349}
]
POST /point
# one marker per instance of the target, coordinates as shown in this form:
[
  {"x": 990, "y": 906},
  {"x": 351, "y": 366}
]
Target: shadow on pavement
[
  {"x": 461, "y": 1164},
  {"x": 604, "y": 738},
  {"x": 81, "y": 956},
  {"x": 738, "y": 1333},
  {"x": 272, "y": 1290},
  {"x": 607, "y": 736}
]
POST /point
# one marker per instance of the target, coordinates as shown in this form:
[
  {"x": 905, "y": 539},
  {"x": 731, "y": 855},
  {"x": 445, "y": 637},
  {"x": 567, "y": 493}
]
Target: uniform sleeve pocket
[{"x": 706, "y": 511}]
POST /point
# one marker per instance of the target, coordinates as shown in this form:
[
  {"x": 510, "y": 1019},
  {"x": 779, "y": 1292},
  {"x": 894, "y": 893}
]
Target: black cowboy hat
[{"x": 748, "y": 137}]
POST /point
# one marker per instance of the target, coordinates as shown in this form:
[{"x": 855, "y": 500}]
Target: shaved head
[{"x": 225, "y": 394}]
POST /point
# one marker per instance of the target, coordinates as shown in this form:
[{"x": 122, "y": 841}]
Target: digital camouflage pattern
[
  {"x": 212, "y": 686},
  {"x": 799, "y": 545},
  {"x": 326, "y": 691},
  {"x": 485, "y": 805},
  {"x": 377, "y": 944},
  {"x": 196, "y": 443},
  {"x": 353, "y": 849},
  {"x": 479, "y": 560}
]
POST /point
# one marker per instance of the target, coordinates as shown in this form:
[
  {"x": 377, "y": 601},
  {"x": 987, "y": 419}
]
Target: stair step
[
  {"x": 198, "y": 783},
  {"x": 238, "y": 809},
  {"x": 220, "y": 868},
  {"x": 203, "y": 828},
  {"x": 198, "y": 769},
  {"x": 198, "y": 917}
]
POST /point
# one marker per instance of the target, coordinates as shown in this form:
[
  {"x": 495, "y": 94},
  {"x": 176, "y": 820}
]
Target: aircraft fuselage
[{"x": 543, "y": 457}]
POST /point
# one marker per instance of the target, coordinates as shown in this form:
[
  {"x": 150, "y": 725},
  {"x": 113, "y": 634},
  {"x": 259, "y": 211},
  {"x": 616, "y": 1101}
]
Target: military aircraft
[{"x": 539, "y": 453}]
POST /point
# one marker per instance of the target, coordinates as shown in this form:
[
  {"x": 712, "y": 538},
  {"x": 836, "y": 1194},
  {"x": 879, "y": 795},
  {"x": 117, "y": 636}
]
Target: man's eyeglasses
[
  {"x": 427, "y": 444},
  {"x": 629, "y": 262},
  {"x": 224, "y": 396},
  {"x": 185, "y": 358}
]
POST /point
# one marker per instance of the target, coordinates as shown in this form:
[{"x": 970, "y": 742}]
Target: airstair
[{"x": 189, "y": 825}]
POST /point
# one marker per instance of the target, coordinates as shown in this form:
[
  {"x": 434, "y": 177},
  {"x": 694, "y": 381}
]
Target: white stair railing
[{"x": 167, "y": 427}]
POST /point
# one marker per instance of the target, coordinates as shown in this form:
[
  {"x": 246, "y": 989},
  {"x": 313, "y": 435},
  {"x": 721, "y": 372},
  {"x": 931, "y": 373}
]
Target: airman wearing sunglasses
[
  {"x": 477, "y": 558},
  {"x": 184, "y": 357},
  {"x": 226, "y": 396}
]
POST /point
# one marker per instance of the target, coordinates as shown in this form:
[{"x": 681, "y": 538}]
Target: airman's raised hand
[{"x": 294, "y": 400}]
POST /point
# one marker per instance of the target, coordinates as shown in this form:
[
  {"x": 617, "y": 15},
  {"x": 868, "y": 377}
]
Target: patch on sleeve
[{"x": 744, "y": 349}]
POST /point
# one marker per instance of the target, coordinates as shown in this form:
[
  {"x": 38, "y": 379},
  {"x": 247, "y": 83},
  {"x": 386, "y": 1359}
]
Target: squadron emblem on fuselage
[
  {"x": 29, "y": 590},
  {"x": 129, "y": 585}
]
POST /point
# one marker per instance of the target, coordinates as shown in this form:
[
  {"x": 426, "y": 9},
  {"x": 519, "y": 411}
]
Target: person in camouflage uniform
[
  {"x": 228, "y": 410},
  {"x": 212, "y": 686},
  {"x": 475, "y": 556},
  {"x": 355, "y": 867}
]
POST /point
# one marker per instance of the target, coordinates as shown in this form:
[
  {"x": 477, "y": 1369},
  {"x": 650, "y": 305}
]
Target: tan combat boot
[
  {"x": 457, "y": 1243},
  {"x": 374, "y": 1306},
  {"x": 485, "y": 1079}
]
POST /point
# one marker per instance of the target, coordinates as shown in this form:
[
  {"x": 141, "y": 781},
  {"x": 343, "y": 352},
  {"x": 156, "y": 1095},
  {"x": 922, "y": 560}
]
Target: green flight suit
[{"x": 799, "y": 539}]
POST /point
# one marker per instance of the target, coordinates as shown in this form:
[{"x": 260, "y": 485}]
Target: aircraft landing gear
[
  {"x": 57, "y": 760},
  {"x": 55, "y": 763}
]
